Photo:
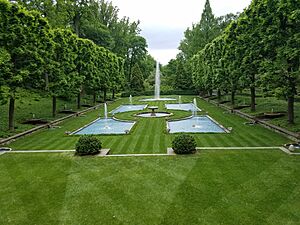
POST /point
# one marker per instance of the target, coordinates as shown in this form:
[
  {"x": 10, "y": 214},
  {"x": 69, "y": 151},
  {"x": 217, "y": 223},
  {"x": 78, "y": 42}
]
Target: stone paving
[{"x": 170, "y": 152}]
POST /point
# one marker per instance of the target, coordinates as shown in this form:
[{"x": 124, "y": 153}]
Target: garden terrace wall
[
  {"x": 54, "y": 122},
  {"x": 291, "y": 135}
]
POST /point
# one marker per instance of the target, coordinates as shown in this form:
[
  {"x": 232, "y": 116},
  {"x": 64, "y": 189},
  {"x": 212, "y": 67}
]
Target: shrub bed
[
  {"x": 184, "y": 144},
  {"x": 88, "y": 145}
]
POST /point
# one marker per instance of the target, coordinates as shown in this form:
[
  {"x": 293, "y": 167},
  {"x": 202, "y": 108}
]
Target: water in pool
[
  {"x": 106, "y": 126},
  {"x": 196, "y": 124},
  {"x": 128, "y": 108},
  {"x": 182, "y": 106}
]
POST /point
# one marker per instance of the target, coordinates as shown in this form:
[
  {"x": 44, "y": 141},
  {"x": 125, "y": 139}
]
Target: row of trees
[
  {"x": 33, "y": 55},
  {"x": 259, "y": 49},
  {"x": 98, "y": 20},
  {"x": 195, "y": 38}
]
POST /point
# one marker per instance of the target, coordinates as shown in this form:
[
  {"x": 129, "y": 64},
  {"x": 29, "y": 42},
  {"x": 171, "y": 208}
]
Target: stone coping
[{"x": 170, "y": 151}]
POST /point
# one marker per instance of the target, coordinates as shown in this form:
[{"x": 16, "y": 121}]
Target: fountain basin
[
  {"x": 195, "y": 124},
  {"x": 106, "y": 126},
  {"x": 183, "y": 106},
  {"x": 128, "y": 108},
  {"x": 155, "y": 115}
]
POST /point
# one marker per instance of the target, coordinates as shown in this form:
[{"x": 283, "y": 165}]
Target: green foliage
[
  {"x": 184, "y": 144},
  {"x": 55, "y": 60},
  {"x": 205, "y": 31},
  {"x": 260, "y": 48},
  {"x": 88, "y": 145},
  {"x": 99, "y": 21},
  {"x": 136, "y": 82}
]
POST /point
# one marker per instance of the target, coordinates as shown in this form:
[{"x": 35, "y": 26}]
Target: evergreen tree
[
  {"x": 136, "y": 81},
  {"x": 202, "y": 33},
  {"x": 183, "y": 79}
]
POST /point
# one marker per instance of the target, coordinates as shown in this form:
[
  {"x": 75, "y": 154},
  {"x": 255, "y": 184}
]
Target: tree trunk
[
  {"x": 78, "y": 101},
  {"x": 54, "y": 106},
  {"x": 252, "y": 90},
  {"x": 76, "y": 21},
  {"x": 46, "y": 81},
  {"x": 210, "y": 92},
  {"x": 11, "y": 114},
  {"x": 291, "y": 100},
  {"x": 104, "y": 95},
  {"x": 113, "y": 94},
  {"x": 219, "y": 96},
  {"x": 94, "y": 98},
  {"x": 232, "y": 98}
]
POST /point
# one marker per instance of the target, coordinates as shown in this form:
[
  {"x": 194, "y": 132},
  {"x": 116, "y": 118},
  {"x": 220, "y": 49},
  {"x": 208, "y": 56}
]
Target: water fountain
[
  {"x": 194, "y": 114},
  {"x": 157, "y": 82},
  {"x": 105, "y": 111},
  {"x": 179, "y": 99},
  {"x": 195, "y": 108},
  {"x": 130, "y": 99},
  {"x": 106, "y": 126},
  {"x": 157, "y": 88}
]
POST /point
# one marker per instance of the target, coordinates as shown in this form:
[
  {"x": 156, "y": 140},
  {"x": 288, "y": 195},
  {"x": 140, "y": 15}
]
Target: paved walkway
[{"x": 170, "y": 152}]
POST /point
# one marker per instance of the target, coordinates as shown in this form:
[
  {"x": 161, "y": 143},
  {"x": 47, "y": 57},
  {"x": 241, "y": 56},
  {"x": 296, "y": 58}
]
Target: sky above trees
[{"x": 163, "y": 22}]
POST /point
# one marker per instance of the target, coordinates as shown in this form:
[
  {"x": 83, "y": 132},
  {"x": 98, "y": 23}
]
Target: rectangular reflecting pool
[
  {"x": 128, "y": 108},
  {"x": 182, "y": 106},
  {"x": 106, "y": 126},
  {"x": 197, "y": 124}
]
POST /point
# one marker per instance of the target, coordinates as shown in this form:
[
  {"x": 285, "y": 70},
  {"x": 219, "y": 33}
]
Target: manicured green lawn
[
  {"x": 149, "y": 135},
  {"x": 269, "y": 104},
  {"x": 212, "y": 187},
  {"x": 29, "y": 103}
]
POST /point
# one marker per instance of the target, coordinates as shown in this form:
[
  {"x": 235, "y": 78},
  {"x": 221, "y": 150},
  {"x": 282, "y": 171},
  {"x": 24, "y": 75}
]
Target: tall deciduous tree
[
  {"x": 63, "y": 78},
  {"x": 21, "y": 36},
  {"x": 282, "y": 40}
]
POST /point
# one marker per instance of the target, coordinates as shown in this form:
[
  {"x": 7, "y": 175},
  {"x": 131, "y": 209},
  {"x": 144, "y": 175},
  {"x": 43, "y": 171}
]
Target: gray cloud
[{"x": 162, "y": 38}]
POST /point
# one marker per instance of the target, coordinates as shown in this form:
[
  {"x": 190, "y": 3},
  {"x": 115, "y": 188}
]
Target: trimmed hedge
[
  {"x": 88, "y": 145},
  {"x": 184, "y": 144}
]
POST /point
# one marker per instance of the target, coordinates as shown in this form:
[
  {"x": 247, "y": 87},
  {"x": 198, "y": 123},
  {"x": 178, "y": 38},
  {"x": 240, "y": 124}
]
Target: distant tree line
[
  {"x": 259, "y": 49},
  {"x": 48, "y": 56}
]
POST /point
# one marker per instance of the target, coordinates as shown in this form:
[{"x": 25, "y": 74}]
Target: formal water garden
[{"x": 95, "y": 130}]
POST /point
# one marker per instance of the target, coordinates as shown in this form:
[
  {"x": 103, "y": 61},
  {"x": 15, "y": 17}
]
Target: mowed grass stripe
[
  {"x": 159, "y": 124},
  {"x": 143, "y": 132},
  {"x": 223, "y": 140},
  {"x": 151, "y": 131},
  {"x": 123, "y": 145},
  {"x": 211, "y": 140},
  {"x": 259, "y": 190},
  {"x": 114, "y": 145}
]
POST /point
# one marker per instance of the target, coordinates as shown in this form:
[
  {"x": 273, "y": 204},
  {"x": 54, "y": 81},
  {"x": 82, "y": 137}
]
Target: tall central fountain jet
[
  {"x": 157, "y": 88},
  {"x": 157, "y": 82}
]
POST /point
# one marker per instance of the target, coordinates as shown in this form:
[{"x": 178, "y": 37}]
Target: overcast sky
[{"x": 163, "y": 22}]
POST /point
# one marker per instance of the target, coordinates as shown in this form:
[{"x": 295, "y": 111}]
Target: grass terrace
[
  {"x": 212, "y": 187},
  {"x": 149, "y": 135}
]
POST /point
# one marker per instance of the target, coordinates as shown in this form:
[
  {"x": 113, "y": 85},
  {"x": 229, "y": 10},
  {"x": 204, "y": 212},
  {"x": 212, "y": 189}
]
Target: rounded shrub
[
  {"x": 88, "y": 145},
  {"x": 184, "y": 144}
]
